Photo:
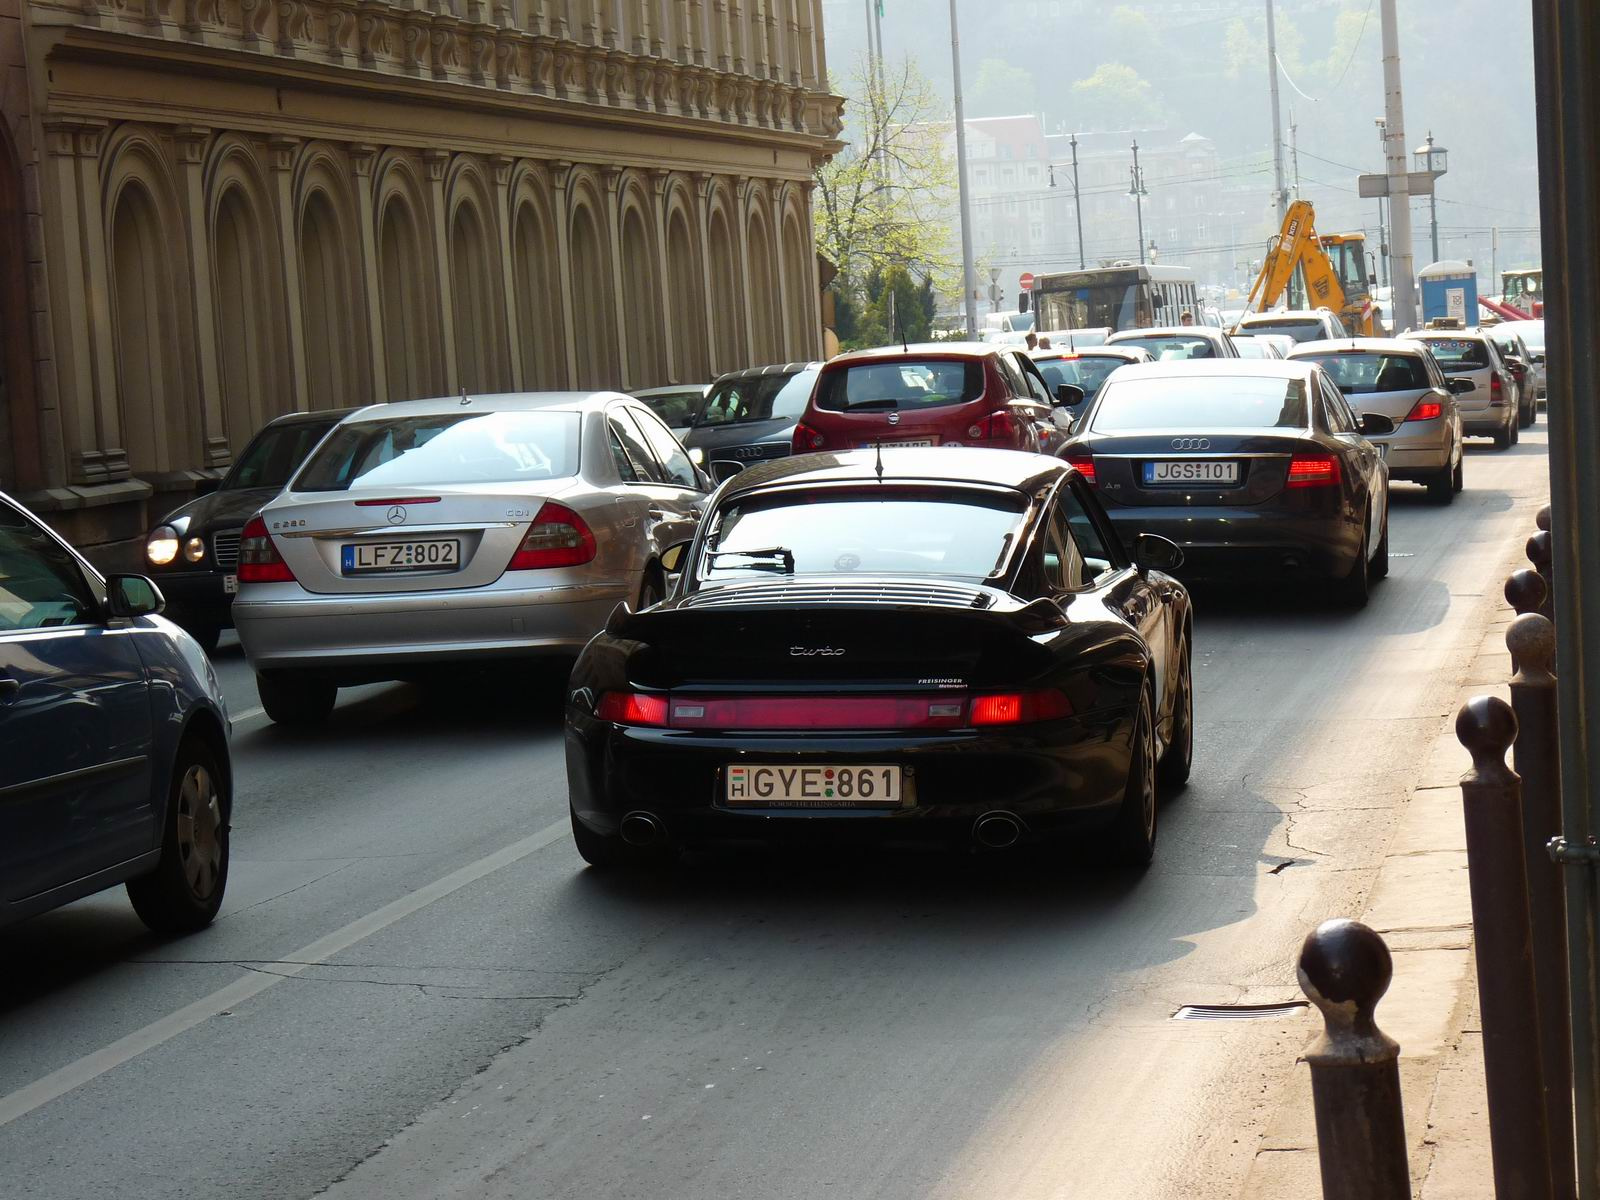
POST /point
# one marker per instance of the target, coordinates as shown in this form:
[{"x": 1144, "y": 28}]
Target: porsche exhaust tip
[
  {"x": 642, "y": 829},
  {"x": 996, "y": 830}
]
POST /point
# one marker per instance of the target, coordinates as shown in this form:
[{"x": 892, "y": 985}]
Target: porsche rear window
[
  {"x": 885, "y": 531},
  {"x": 441, "y": 448},
  {"x": 901, "y": 384},
  {"x": 1183, "y": 403}
]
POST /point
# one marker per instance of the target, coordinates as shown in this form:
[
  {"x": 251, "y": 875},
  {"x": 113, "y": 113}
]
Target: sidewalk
[{"x": 1421, "y": 905}]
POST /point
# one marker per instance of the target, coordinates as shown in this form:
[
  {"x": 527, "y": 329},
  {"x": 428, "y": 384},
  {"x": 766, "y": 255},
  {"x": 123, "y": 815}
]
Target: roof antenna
[
  {"x": 465, "y": 399},
  {"x": 878, "y": 446}
]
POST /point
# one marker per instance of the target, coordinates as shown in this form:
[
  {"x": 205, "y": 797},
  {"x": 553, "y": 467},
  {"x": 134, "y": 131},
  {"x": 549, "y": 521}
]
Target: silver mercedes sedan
[{"x": 433, "y": 533}]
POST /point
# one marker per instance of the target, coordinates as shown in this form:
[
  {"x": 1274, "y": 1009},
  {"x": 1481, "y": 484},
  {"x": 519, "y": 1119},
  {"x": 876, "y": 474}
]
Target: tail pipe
[
  {"x": 642, "y": 829},
  {"x": 997, "y": 830}
]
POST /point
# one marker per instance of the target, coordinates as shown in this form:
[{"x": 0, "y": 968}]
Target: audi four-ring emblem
[{"x": 1191, "y": 443}]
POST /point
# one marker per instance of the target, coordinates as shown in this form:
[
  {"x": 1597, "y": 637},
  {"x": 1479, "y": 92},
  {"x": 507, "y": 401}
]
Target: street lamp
[
  {"x": 1435, "y": 160},
  {"x": 1138, "y": 191}
]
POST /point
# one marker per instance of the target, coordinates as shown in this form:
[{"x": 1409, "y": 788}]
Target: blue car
[{"x": 114, "y": 763}]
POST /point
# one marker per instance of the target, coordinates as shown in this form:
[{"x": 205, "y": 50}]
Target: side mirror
[
  {"x": 1152, "y": 552},
  {"x": 1376, "y": 425},
  {"x": 724, "y": 469},
  {"x": 1458, "y": 386},
  {"x": 1536, "y": 359},
  {"x": 133, "y": 596},
  {"x": 697, "y": 456},
  {"x": 672, "y": 558},
  {"x": 1068, "y": 395},
  {"x": 204, "y": 487}
]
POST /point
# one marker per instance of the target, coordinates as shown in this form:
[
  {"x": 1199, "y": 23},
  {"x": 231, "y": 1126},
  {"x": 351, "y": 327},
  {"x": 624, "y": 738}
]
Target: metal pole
[
  {"x": 1433, "y": 200},
  {"x": 1494, "y": 257},
  {"x": 1344, "y": 970},
  {"x": 1077, "y": 203},
  {"x": 970, "y": 299},
  {"x": 1138, "y": 197},
  {"x": 1383, "y": 229},
  {"x": 1280, "y": 194},
  {"x": 1402, "y": 272},
  {"x": 877, "y": 37},
  {"x": 1566, "y": 44},
  {"x": 1531, "y": 639},
  {"x": 1491, "y": 799}
]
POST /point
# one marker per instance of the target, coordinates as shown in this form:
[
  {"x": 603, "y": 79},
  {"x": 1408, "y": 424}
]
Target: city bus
[{"x": 1126, "y": 296}]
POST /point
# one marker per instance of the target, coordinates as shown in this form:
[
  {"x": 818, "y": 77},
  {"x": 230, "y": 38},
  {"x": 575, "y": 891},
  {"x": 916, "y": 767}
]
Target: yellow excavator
[{"x": 1334, "y": 268}]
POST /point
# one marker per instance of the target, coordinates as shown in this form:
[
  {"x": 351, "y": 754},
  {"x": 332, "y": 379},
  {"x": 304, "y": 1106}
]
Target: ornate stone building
[{"x": 215, "y": 211}]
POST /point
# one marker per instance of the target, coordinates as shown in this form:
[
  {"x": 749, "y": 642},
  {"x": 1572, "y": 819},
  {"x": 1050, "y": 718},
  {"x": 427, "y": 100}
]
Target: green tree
[
  {"x": 1002, "y": 90},
  {"x": 1116, "y": 97}
]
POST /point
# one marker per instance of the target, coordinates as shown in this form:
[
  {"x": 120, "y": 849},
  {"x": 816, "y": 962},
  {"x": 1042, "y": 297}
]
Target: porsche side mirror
[
  {"x": 1068, "y": 395},
  {"x": 724, "y": 469},
  {"x": 1376, "y": 425},
  {"x": 1152, "y": 552},
  {"x": 133, "y": 596},
  {"x": 672, "y": 558}
]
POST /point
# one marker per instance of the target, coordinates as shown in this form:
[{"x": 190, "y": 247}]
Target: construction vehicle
[
  {"x": 1334, "y": 269},
  {"x": 1523, "y": 290}
]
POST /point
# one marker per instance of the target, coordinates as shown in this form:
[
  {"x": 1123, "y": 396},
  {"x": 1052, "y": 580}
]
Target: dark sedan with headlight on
[
  {"x": 934, "y": 644},
  {"x": 194, "y": 552},
  {"x": 1254, "y": 467}
]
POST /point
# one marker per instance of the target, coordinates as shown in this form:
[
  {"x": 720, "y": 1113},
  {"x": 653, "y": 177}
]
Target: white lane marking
[
  {"x": 91, "y": 1066},
  {"x": 248, "y": 714}
]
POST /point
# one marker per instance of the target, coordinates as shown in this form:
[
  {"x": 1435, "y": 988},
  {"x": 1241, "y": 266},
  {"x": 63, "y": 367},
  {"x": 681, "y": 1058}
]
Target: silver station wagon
[{"x": 434, "y": 533}]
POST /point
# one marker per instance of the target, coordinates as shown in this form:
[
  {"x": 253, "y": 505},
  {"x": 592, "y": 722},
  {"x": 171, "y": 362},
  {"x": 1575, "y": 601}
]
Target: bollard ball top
[
  {"x": 1345, "y": 963},
  {"x": 1486, "y": 726},
  {"x": 1525, "y": 590},
  {"x": 1538, "y": 549},
  {"x": 1531, "y": 639},
  {"x": 1543, "y": 519}
]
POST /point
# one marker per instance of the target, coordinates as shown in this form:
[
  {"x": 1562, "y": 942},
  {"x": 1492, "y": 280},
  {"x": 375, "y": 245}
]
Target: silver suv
[
  {"x": 1489, "y": 406},
  {"x": 1303, "y": 325},
  {"x": 1400, "y": 380}
]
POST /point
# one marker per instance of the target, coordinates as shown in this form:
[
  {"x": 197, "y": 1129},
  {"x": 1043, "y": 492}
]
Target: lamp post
[
  {"x": 1383, "y": 231},
  {"x": 1138, "y": 191},
  {"x": 1435, "y": 160},
  {"x": 1077, "y": 206},
  {"x": 970, "y": 298}
]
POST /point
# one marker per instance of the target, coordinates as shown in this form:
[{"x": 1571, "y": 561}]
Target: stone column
[
  {"x": 560, "y": 176},
  {"x": 713, "y": 310},
  {"x": 191, "y": 144},
  {"x": 697, "y": 32},
  {"x": 817, "y": 43},
  {"x": 283, "y": 151},
  {"x": 742, "y": 192},
  {"x": 613, "y": 179},
  {"x": 438, "y": 162},
  {"x": 813, "y": 278},
  {"x": 501, "y": 165},
  {"x": 791, "y": 352},
  {"x": 669, "y": 322},
  {"x": 736, "y": 21},
  {"x": 362, "y": 157}
]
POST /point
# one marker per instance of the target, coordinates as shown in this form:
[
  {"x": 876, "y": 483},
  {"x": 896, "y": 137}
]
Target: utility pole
[
  {"x": 1138, "y": 191},
  {"x": 1494, "y": 258},
  {"x": 1077, "y": 203},
  {"x": 1401, "y": 270},
  {"x": 1280, "y": 195},
  {"x": 969, "y": 294},
  {"x": 1383, "y": 230},
  {"x": 1294, "y": 150}
]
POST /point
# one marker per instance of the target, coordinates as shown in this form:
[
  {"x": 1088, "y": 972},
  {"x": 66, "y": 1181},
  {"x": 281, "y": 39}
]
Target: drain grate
[{"x": 1237, "y": 1012}]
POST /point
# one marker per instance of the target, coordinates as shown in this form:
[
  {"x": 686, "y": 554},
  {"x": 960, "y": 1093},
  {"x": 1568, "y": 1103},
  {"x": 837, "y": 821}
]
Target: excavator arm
[{"x": 1297, "y": 245}]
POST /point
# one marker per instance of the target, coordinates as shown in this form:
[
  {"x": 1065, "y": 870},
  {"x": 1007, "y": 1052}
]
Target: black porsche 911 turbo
[
  {"x": 1255, "y": 468},
  {"x": 918, "y": 644}
]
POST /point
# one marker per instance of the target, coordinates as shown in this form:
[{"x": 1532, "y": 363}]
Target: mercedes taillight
[
  {"x": 259, "y": 560},
  {"x": 558, "y": 537}
]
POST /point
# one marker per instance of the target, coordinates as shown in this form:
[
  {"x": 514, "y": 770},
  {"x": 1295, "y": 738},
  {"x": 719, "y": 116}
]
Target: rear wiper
[
  {"x": 871, "y": 405},
  {"x": 776, "y": 558}
]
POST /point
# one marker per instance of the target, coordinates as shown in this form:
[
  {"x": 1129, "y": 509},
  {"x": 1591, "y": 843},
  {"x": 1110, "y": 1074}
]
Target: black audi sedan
[
  {"x": 193, "y": 553},
  {"x": 902, "y": 644},
  {"x": 749, "y": 416},
  {"x": 1255, "y": 468}
]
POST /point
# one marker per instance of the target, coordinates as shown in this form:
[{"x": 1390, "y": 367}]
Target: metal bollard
[
  {"x": 1525, "y": 590},
  {"x": 1532, "y": 642},
  {"x": 1491, "y": 797},
  {"x": 1344, "y": 970},
  {"x": 1542, "y": 519},
  {"x": 1539, "y": 555}
]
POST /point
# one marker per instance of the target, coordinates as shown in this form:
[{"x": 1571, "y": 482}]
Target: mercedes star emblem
[{"x": 397, "y": 514}]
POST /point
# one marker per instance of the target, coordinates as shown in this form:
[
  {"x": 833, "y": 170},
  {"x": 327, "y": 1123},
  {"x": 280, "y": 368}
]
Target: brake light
[
  {"x": 397, "y": 500},
  {"x": 807, "y": 439},
  {"x": 1497, "y": 391},
  {"x": 1083, "y": 464},
  {"x": 558, "y": 537},
  {"x": 1313, "y": 470},
  {"x": 996, "y": 427},
  {"x": 632, "y": 708},
  {"x": 259, "y": 560},
  {"x": 1020, "y": 708},
  {"x": 1426, "y": 410}
]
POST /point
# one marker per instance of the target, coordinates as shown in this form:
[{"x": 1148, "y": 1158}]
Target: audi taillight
[
  {"x": 558, "y": 537},
  {"x": 632, "y": 708},
  {"x": 807, "y": 439},
  {"x": 1426, "y": 410},
  {"x": 1083, "y": 464},
  {"x": 259, "y": 560},
  {"x": 1497, "y": 391},
  {"x": 996, "y": 427},
  {"x": 1313, "y": 470}
]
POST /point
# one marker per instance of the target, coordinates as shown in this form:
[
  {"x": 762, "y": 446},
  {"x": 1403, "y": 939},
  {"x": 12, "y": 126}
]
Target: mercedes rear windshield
[{"x": 444, "y": 448}]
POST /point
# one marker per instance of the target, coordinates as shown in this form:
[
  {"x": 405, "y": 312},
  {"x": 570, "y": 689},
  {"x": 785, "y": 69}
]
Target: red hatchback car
[{"x": 942, "y": 394}]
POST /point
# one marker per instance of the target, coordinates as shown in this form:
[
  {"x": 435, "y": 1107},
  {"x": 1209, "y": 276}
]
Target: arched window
[
  {"x": 686, "y": 289},
  {"x": 407, "y": 346},
  {"x": 768, "y": 341},
  {"x": 726, "y": 293},
  {"x": 533, "y": 253},
  {"x": 476, "y": 307},
  {"x": 593, "y": 326},
  {"x": 642, "y": 304},
  {"x": 245, "y": 357},
  {"x": 155, "y": 429},
  {"x": 328, "y": 309}
]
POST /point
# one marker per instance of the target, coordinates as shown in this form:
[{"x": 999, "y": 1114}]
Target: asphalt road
[{"x": 417, "y": 990}]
